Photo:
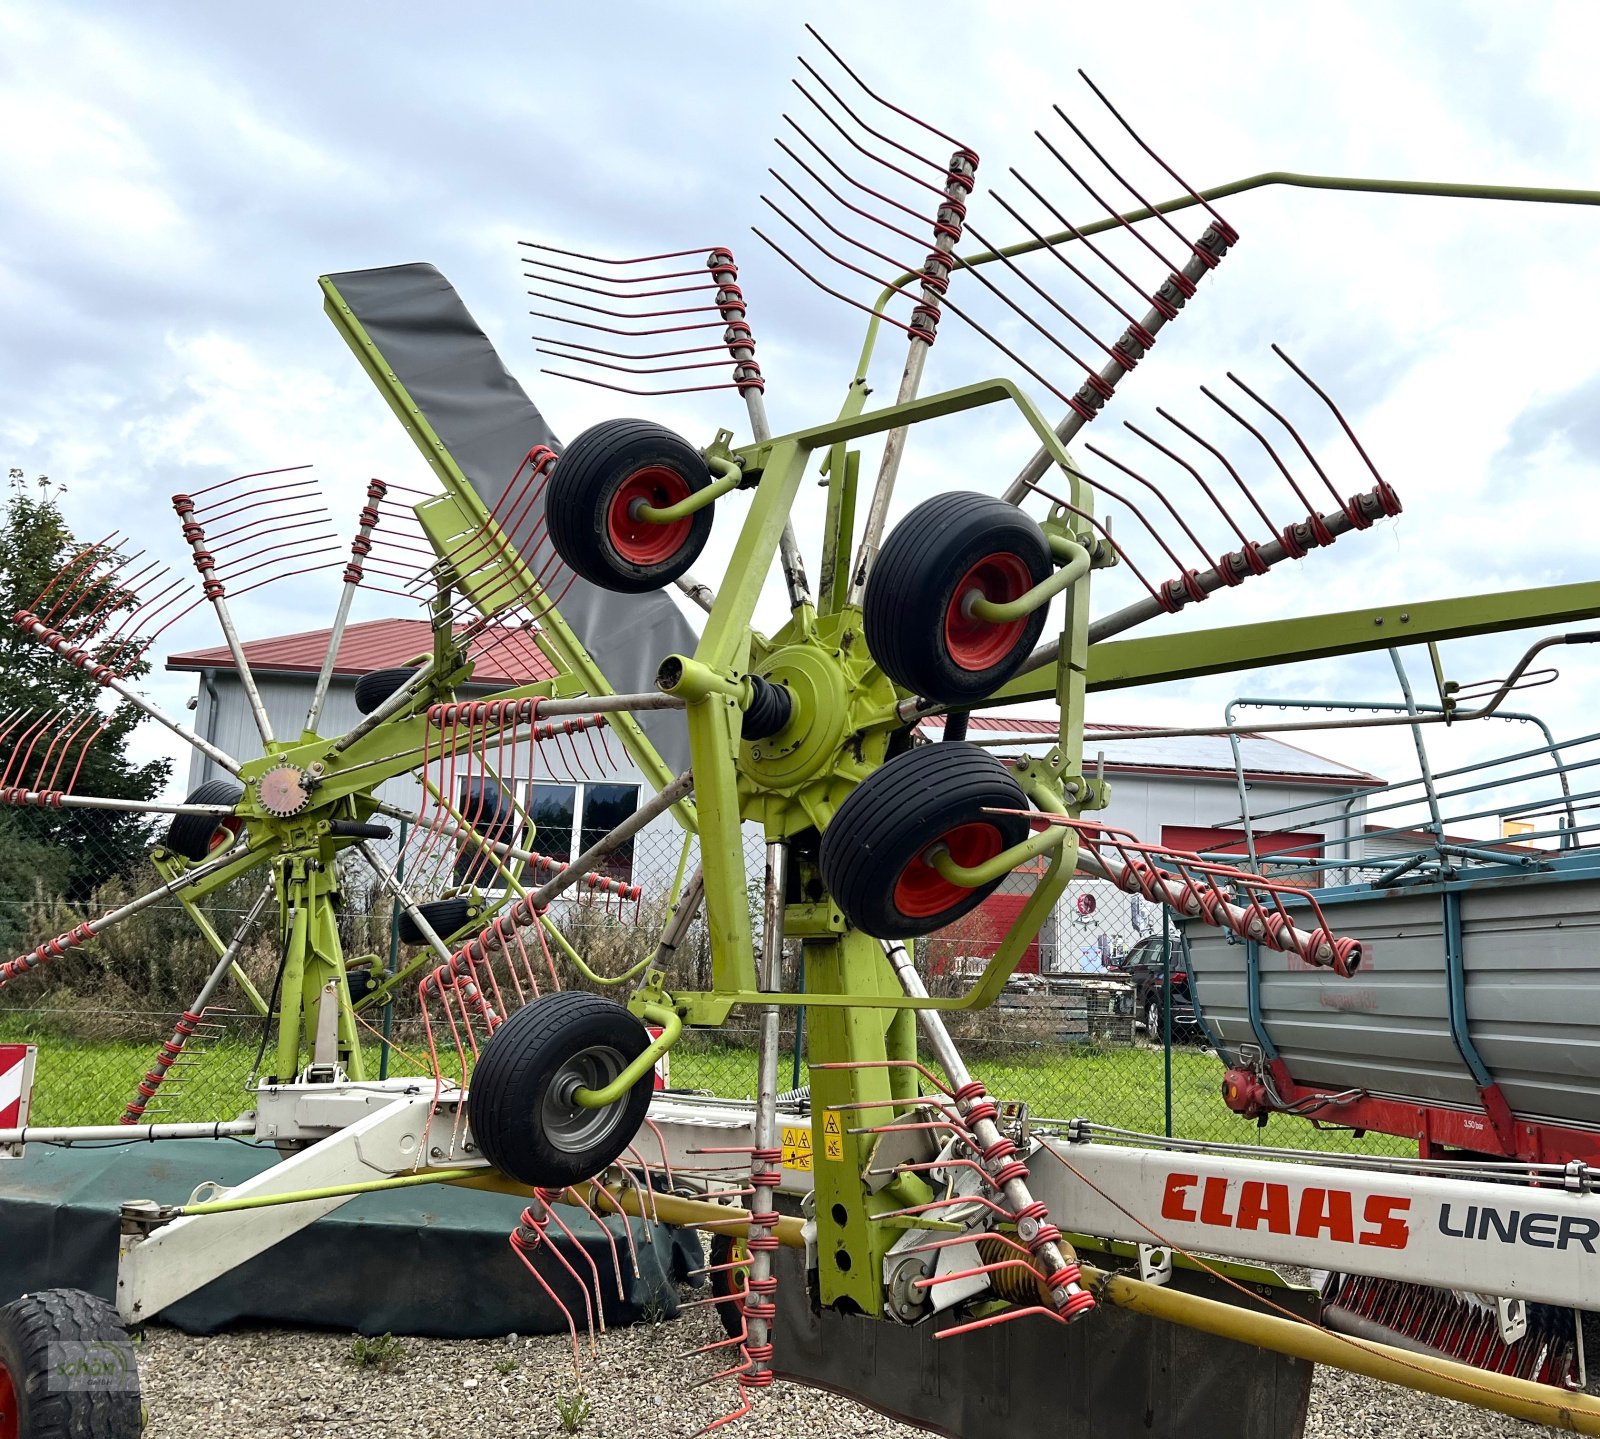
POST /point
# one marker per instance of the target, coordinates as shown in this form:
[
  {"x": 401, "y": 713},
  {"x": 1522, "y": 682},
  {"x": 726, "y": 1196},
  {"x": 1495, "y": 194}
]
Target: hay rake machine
[{"x": 927, "y": 1206}]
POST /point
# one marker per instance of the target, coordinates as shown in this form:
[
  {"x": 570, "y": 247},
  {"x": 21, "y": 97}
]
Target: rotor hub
[{"x": 284, "y": 791}]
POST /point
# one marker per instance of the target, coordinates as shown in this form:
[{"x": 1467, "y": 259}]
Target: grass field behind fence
[{"x": 89, "y": 1082}]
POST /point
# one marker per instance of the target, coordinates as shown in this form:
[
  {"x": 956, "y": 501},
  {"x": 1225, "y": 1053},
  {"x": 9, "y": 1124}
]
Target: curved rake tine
[
  {"x": 1229, "y": 233},
  {"x": 1338, "y": 414},
  {"x": 1160, "y": 494},
  {"x": 1226, "y": 464},
  {"x": 887, "y": 104},
  {"x": 1265, "y": 444},
  {"x": 1294, "y": 434},
  {"x": 1087, "y": 241},
  {"x": 1198, "y": 478}
]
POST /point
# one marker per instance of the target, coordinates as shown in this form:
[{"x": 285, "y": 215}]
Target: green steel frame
[{"x": 846, "y": 713}]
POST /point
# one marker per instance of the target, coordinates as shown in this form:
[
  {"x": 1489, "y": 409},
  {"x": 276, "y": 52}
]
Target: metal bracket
[
  {"x": 1155, "y": 1263},
  {"x": 1512, "y": 1317}
]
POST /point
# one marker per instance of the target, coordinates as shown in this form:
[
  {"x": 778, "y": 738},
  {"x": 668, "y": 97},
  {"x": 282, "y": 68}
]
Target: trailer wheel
[
  {"x": 875, "y": 850},
  {"x": 596, "y": 489},
  {"x": 195, "y": 836},
  {"x": 374, "y": 687},
  {"x": 917, "y": 612},
  {"x": 67, "y": 1369},
  {"x": 520, "y": 1104}
]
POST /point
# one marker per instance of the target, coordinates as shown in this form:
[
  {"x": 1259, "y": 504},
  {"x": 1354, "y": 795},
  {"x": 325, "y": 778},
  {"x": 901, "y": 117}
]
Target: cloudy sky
[{"x": 173, "y": 179}]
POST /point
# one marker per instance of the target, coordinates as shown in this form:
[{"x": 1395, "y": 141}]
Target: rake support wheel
[
  {"x": 444, "y": 916},
  {"x": 874, "y": 851},
  {"x": 596, "y": 490},
  {"x": 194, "y": 836},
  {"x": 521, "y": 1106},
  {"x": 374, "y": 687},
  {"x": 946, "y": 553}
]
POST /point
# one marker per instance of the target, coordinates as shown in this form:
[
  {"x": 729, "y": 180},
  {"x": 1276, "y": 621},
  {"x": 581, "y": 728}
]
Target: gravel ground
[{"x": 293, "y": 1384}]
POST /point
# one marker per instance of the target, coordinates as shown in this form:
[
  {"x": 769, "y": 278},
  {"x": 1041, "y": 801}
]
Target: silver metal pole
[
  {"x": 764, "y": 1167},
  {"x": 386, "y": 877},
  {"x": 50, "y": 799},
  {"x": 697, "y": 590},
  {"x": 100, "y": 1133},
  {"x": 659, "y": 805},
  {"x": 391, "y": 706},
  {"x": 352, "y": 582},
  {"x": 984, "y": 1131}
]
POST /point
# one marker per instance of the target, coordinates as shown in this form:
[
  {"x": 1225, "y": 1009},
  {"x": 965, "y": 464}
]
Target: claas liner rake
[{"x": 933, "y": 1205}]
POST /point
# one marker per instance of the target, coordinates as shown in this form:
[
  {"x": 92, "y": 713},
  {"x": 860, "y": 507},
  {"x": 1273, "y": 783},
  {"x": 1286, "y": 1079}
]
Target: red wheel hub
[
  {"x": 10, "y": 1419},
  {"x": 633, "y": 537},
  {"x": 225, "y": 831},
  {"x": 922, "y": 891},
  {"x": 976, "y": 644}
]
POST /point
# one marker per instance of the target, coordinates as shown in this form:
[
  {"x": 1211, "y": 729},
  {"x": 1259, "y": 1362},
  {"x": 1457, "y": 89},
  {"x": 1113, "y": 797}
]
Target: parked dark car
[{"x": 1143, "y": 966}]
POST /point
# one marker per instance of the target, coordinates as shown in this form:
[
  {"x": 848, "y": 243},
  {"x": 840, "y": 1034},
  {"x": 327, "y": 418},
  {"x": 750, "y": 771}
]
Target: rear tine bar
[
  {"x": 935, "y": 278},
  {"x": 1294, "y": 434},
  {"x": 214, "y": 591},
  {"x": 1160, "y": 494},
  {"x": 1172, "y": 299},
  {"x": 32, "y": 626},
  {"x": 1266, "y": 444},
  {"x": 747, "y": 376},
  {"x": 1222, "y": 460},
  {"x": 360, "y": 547},
  {"x": 1338, "y": 523},
  {"x": 1389, "y": 497},
  {"x": 1199, "y": 479}
]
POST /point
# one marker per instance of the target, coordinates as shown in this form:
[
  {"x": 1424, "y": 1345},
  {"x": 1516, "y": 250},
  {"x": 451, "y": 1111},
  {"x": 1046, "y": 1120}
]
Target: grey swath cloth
[{"x": 488, "y": 424}]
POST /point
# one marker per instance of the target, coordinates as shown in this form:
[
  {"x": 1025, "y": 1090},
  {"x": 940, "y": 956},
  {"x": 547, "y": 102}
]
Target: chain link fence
[{"x": 1069, "y": 1036}]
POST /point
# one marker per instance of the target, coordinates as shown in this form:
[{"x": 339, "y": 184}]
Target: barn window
[
  {"x": 568, "y": 818},
  {"x": 605, "y": 806},
  {"x": 486, "y": 805}
]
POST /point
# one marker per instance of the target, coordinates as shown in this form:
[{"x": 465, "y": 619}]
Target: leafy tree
[{"x": 68, "y": 851}]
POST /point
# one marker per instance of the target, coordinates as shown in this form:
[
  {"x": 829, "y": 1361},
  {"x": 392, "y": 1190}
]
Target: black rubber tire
[
  {"x": 445, "y": 915},
  {"x": 726, "y": 1284},
  {"x": 585, "y": 484},
  {"x": 374, "y": 687},
  {"x": 41, "y": 1332},
  {"x": 891, "y": 817},
  {"x": 913, "y": 585},
  {"x": 1152, "y": 1020},
  {"x": 192, "y": 835},
  {"x": 514, "y": 1076}
]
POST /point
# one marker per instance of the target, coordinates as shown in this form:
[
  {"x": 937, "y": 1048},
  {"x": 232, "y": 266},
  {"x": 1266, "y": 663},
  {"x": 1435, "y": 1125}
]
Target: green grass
[{"x": 83, "y": 1082}]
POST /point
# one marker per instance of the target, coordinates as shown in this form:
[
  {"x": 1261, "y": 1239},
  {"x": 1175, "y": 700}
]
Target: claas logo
[{"x": 1312, "y": 1212}]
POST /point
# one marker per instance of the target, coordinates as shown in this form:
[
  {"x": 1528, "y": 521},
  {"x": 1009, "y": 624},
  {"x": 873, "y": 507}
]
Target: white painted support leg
[{"x": 160, "y": 1268}]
